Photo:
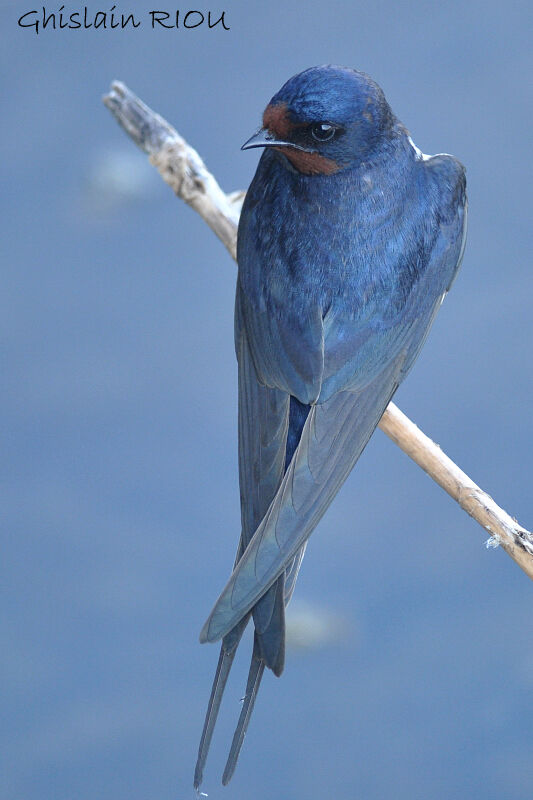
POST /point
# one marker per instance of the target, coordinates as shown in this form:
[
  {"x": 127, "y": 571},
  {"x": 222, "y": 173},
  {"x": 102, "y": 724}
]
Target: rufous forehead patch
[{"x": 276, "y": 119}]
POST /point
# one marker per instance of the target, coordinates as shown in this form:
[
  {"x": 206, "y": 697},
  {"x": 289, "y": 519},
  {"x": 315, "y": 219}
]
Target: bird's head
[{"x": 325, "y": 119}]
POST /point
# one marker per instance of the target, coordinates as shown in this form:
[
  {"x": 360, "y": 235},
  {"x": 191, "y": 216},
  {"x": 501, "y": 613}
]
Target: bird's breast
[{"x": 311, "y": 250}]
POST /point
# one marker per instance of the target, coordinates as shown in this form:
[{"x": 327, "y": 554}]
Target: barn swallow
[{"x": 348, "y": 241}]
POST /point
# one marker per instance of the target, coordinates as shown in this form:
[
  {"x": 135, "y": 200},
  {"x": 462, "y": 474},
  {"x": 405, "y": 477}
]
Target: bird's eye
[{"x": 322, "y": 131}]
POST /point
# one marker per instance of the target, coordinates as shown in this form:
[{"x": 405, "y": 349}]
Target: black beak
[{"x": 264, "y": 138}]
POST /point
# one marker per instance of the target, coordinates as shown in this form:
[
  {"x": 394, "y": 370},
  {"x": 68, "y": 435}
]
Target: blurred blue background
[{"x": 410, "y": 667}]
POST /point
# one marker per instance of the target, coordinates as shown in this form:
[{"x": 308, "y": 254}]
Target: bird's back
[{"x": 334, "y": 269}]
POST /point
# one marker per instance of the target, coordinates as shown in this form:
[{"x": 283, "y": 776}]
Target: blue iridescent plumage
[{"x": 349, "y": 240}]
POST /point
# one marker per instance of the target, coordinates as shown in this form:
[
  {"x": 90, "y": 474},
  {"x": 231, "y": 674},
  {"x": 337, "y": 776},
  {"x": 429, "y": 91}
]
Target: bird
[{"x": 348, "y": 241}]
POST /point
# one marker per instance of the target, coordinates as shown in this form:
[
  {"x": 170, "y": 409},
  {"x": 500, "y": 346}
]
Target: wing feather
[{"x": 334, "y": 436}]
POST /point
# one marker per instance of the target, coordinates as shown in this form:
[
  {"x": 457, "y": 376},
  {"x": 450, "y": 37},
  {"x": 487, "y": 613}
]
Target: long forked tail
[
  {"x": 268, "y": 650},
  {"x": 269, "y": 636},
  {"x": 225, "y": 661}
]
